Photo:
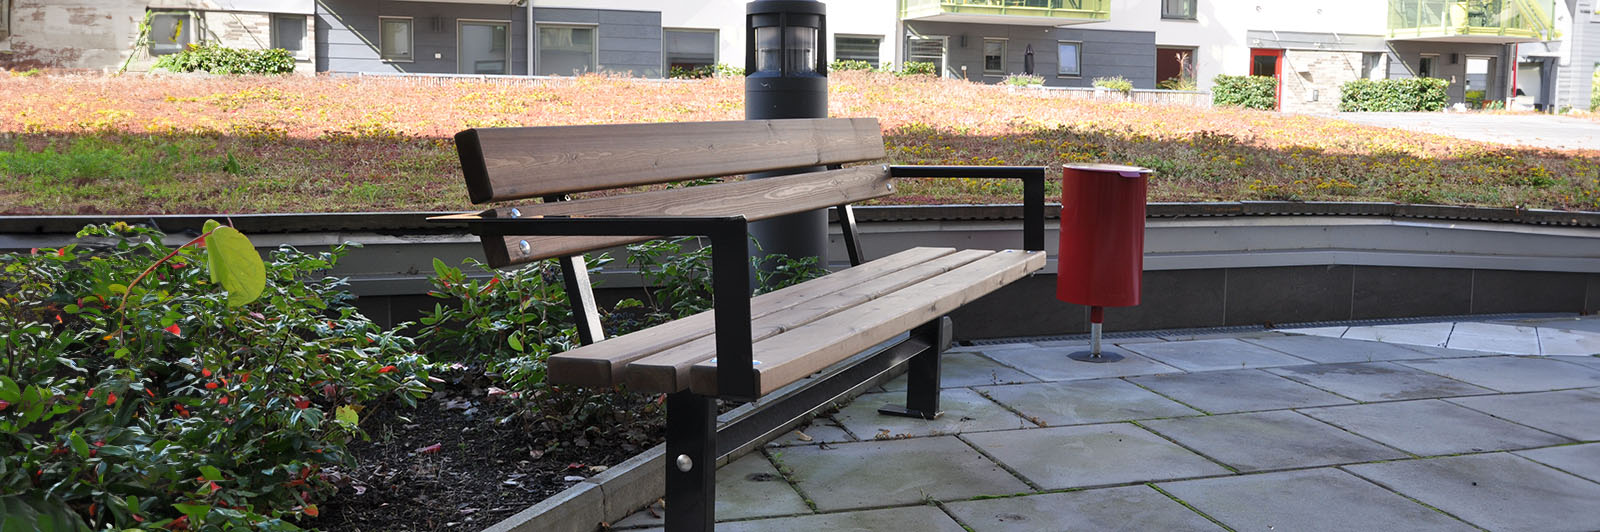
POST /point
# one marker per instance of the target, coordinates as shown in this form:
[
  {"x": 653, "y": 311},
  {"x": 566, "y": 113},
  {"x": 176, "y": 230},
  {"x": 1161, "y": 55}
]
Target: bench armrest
[
  {"x": 730, "y": 272},
  {"x": 1032, "y": 191}
]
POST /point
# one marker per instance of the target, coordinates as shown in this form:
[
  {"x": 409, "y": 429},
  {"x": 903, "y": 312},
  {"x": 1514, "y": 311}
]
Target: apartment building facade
[{"x": 1529, "y": 52}]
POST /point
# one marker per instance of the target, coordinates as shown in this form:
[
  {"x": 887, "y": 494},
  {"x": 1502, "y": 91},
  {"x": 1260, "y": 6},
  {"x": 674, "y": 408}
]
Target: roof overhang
[{"x": 1010, "y": 20}]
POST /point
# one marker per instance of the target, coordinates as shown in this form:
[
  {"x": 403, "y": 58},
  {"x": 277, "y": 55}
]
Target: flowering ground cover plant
[
  {"x": 150, "y": 387},
  {"x": 136, "y": 144}
]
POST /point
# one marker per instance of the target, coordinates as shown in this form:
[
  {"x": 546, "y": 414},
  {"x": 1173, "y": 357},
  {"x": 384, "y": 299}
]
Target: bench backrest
[{"x": 504, "y": 164}]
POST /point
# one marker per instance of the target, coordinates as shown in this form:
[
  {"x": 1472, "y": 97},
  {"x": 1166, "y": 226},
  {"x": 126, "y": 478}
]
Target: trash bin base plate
[{"x": 1087, "y": 356}]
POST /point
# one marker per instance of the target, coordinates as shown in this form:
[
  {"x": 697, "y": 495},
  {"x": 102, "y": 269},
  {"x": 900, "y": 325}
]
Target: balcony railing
[
  {"x": 1056, "y": 9},
  {"x": 1511, "y": 20}
]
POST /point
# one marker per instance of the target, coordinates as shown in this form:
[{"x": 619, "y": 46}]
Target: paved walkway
[
  {"x": 1417, "y": 427},
  {"x": 1544, "y": 131}
]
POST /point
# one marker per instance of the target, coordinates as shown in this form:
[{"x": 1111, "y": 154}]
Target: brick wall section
[{"x": 1312, "y": 74}]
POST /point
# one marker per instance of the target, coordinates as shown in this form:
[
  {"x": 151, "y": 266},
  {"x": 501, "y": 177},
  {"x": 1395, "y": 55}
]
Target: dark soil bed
[{"x": 471, "y": 455}]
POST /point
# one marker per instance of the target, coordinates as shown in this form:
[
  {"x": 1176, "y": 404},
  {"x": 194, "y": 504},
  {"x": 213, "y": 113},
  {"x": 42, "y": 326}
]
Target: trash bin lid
[{"x": 1124, "y": 171}]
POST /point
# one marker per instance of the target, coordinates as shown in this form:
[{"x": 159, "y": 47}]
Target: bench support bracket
[
  {"x": 691, "y": 462},
  {"x": 922, "y": 378}
]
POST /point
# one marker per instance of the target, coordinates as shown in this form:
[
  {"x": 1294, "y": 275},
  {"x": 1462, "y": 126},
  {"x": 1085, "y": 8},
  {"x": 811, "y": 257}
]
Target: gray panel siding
[
  {"x": 1410, "y": 53},
  {"x": 1130, "y": 54},
  {"x": 347, "y": 34},
  {"x": 629, "y": 41}
]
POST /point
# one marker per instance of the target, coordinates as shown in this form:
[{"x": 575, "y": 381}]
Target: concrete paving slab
[
  {"x": 1215, "y": 354},
  {"x": 1588, "y": 361},
  {"x": 1112, "y": 341},
  {"x": 1238, "y": 391},
  {"x": 1433, "y": 427},
  {"x": 1083, "y": 402},
  {"x": 1495, "y": 337},
  {"x": 919, "y": 518},
  {"x": 1052, "y": 364},
  {"x": 1434, "y": 334},
  {"x": 964, "y": 411},
  {"x": 1511, "y": 374},
  {"x": 1441, "y": 352},
  {"x": 1187, "y": 336},
  {"x": 1562, "y": 342},
  {"x": 1378, "y": 381},
  {"x": 1329, "y": 332},
  {"x": 1263, "y": 441},
  {"x": 1092, "y": 455},
  {"x": 1496, "y": 491},
  {"x": 968, "y": 369},
  {"x": 1582, "y": 460},
  {"x": 1584, "y": 323},
  {"x": 1312, "y": 500},
  {"x": 746, "y": 488},
  {"x": 895, "y": 472},
  {"x": 1323, "y": 350},
  {"x": 820, "y": 430},
  {"x": 1127, "y": 509},
  {"x": 1571, "y": 413}
]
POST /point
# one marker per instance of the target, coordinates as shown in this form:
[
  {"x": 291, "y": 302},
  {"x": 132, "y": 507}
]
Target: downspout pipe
[{"x": 527, "y": 5}]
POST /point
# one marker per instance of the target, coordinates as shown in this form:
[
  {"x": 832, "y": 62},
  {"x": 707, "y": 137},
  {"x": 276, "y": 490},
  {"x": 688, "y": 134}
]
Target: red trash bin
[{"x": 1101, "y": 259}]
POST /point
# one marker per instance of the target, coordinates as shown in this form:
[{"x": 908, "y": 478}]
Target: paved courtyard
[
  {"x": 1542, "y": 131},
  {"x": 1432, "y": 426}
]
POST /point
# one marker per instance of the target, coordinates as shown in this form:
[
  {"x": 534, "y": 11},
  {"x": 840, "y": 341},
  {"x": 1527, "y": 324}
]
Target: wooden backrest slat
[
  {"x": 503, "y": 164},
  {"x": 756, "y": 199}
]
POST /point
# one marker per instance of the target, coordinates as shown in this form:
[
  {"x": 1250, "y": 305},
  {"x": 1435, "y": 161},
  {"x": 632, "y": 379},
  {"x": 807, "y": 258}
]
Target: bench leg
[
  {"x": 922, "y": 379},
  {"x": 691, "y": 462}
]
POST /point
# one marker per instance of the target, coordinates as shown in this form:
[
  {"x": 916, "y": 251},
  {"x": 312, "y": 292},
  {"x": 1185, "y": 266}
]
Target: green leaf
[
  {"x": 211, "y": 473},
  {"x": 515, "y": 341},
  {"x": 30, "y": 513},
  {"x": 235, "y": 265},
  {"x": 9, "y": 392},
  {"x": 196, "y": 512},
  {"x": 210, "y": 226},
  {"x": 347, "y": 415},
  {"x": 78, "y": 445}
]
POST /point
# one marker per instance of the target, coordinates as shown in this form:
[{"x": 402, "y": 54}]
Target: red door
[{"x": 1268, "y": 62}]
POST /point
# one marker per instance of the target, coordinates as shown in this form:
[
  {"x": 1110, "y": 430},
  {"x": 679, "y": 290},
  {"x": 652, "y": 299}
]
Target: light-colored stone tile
[
  {"x": 1434, "y": 334},
  {"x": 1586, "y": 361},
  {"x": 1312, "y": 500},
  {"x": 1330, "y": 332},
  {"x": 1580, "y": 323},
  {"x": 1324, "y": 350},
  {"x": 1092, "y": 455},
  {"x": 968, "y": 369},
  {"x": 1131, "y": 508},
  {"x": 1571, "y": 413},
  {"x": 964, "y": 411},
  {"x": 1052, "y": 364},
  {"x": 1378, "y": 381},
  {"x": 1433, "y": 427},
  {"x": 1582, "y": 460},
  {"x": 1216, "y": 354},
  {"x": 1495, "y": 337},
  {"x": 820, "y": 430},
  {"x": 1496, "y": 491},
  {"x": 1082, "y": 402},
  {"x": 1238, "y": 391},
  {"x": 918, "y": 518},
  {"x": 895, "y": 472},
  {"x": 1263, "y": 441},
  {"x": 1187, "y": 336},
  {"x": 746, "y": 488},
  {"x": 1562, "y": 342},
  {"x": 1441, "y": 352},
  {"x": 1511, "y": 374}
]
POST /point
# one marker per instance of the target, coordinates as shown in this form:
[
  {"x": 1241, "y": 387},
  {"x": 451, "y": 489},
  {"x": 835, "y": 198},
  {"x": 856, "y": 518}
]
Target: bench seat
[{"x": 872, "y": 302}]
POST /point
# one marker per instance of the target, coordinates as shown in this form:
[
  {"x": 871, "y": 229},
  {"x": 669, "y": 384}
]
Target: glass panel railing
[
  {"x": 1096, "y": 9},
  {"x": 1443, "y": 18}
]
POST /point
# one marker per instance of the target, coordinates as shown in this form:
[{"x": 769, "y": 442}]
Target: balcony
[
  {"x": 1472, "y": 21},
  {"x": 1021, "y": 12}
]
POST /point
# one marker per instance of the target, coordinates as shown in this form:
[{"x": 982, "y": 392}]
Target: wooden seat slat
[
  {"x": 756, "y": 199},
  {"x": 503, "y": 164},
  {"x": 668, "y": 371},
  {"x": 601, "y": 365},
  {"x": 794, "y": 354}
]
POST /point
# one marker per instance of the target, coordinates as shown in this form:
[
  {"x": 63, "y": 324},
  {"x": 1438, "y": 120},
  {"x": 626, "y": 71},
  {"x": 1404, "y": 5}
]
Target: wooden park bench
[{"x": 772, "y": 340}]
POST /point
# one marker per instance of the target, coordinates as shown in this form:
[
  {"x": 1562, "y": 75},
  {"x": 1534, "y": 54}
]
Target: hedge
[
  {"x": 1393, "y": 95},
  {"x": 1250, "y": 92},
  {"x": 219, "y": 60}
]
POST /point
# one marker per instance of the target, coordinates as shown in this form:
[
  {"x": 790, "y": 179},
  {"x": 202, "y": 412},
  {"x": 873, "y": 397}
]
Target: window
[
  {"x": 5, "y": 19},
  {"x": 847, "y": 48},
  {"x": 289, "y": 32},
  {"x": 1179, "y": 9},
  {"x": 927, "y": 50},
  {"x": 1425, "y": 68},
  {"x": 170, "y": 32},
  {"x": 395, "y": 39},
  {"x": 688, "y": 49},
  {"x": 1068, "y": 55},
  {"x": 482, "y": 45},
  {"x": 994, "y": 56},
  {"x": 566, "y": 50},
  {"x": 1371, "y": 65},
  {"x": 1175, "y": 67}
]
